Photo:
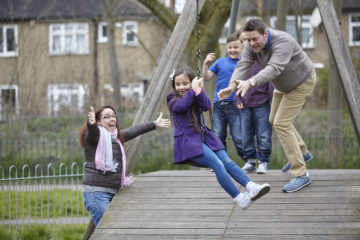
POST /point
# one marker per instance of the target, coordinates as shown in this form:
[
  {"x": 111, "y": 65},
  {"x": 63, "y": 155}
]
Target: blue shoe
[
  {"x": 297, "y": 183},
  {"x": 307, "y": 157}
]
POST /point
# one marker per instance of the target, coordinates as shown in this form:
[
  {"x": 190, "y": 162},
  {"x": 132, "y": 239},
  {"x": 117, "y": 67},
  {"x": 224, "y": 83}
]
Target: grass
[
  {"x": 42, "y": 232},
  {"x": 42, "y": 204}
]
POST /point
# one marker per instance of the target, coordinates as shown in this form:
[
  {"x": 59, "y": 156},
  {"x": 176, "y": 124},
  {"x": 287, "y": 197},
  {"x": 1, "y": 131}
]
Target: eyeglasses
[{"x": 109, "y": 116}]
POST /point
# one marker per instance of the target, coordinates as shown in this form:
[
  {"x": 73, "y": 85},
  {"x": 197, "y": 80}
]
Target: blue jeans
[
  {"x": 96, "y": 203},
  {"x": 255, "y": 123},
  {"x": 224, "y": 114},
  {"x": 223, "y": 167}
]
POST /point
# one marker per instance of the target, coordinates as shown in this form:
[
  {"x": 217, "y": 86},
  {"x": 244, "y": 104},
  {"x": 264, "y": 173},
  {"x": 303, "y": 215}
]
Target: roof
[{"x": 24, "y": 10}]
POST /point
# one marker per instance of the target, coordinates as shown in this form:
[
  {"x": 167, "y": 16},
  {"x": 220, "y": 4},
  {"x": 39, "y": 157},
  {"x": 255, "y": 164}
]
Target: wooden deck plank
[{"x": 192, "y": 205}]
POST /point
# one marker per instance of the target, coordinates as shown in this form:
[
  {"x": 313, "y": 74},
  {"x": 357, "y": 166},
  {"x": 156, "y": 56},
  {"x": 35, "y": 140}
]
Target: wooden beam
[
  {"x": 341, "y": 54},
  {"x": 160, "y": 81}
]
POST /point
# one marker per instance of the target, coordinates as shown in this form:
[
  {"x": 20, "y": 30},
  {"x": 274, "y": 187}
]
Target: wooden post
[
  {"x": 160, "y": 81},
  {"x": 343, "y": 62}
]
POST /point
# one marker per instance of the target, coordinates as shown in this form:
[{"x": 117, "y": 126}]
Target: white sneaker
[
  {"x": 248, "y": 167},
  {"x": 256, "y": 190},
  {"x": 262, "y": 168},
  {"x": 243, "y": 200}
]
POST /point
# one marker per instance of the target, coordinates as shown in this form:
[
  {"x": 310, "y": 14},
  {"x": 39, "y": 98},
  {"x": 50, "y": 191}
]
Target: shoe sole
[
  {"x": 305, "y": 162},
  {"x": 253, "y": 171},
  {"x": 246, "y": 207},
  {"x": 297, "y": 189},
  {"x": 261, "y": 172},
  {"x": 261, "y": 193}
]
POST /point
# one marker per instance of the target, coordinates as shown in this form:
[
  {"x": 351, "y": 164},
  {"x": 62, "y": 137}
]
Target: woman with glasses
[{"x": 105, "y": 165}]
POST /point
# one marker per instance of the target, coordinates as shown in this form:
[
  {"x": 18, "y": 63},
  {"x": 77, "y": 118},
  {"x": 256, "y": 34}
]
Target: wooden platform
[{"x": 192, "y": 205}]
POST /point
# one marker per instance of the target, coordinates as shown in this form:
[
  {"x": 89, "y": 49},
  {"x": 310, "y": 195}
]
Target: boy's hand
[
  {"x": 91, "y": 115},
  {"x": 209, "y": 58},
  {"x": 240, "y": 106},
  {"x": 224, "y": 93}
]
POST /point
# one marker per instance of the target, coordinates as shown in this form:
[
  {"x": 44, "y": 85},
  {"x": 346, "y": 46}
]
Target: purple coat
[{"x": 187, "y": 142}]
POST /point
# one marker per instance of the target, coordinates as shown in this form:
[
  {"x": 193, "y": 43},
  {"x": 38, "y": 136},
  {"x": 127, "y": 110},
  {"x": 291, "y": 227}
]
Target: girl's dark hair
[
  {"x": 98, "y": 111},
  {"x": 239, "y": 32},
  {"x": 255, "y": 24}
]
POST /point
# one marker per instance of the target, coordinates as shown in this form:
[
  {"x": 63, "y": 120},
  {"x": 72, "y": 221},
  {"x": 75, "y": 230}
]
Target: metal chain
[
  {"x": 202, "y": 122},
  {"x": 198, "y": 39}
]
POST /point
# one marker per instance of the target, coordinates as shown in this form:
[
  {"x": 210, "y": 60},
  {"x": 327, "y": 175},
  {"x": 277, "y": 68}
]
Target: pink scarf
[{"x": 104, "y": 155}]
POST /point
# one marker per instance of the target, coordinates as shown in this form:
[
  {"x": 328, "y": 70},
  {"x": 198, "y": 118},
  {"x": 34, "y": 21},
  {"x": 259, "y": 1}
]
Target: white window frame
[
  {"x": 76, "y": 31},
  {"x": 5, "y": 52},
  {"x": 125, "y": 32},
  {"x": 351, "y": 25},
  {"x": 55, "y": 91},
  {"x": 224, "y": 32},
  {"x": 9, "y": 87},
  {"x": 101, "y": 37},
  {"x": 304, "y": 25},
  {"x": 131, "y": 91}
]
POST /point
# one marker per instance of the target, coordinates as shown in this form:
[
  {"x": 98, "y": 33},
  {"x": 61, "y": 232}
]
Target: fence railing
[
  {"x": 38, "y": 195},
  {"x": 41, "y": 178}
]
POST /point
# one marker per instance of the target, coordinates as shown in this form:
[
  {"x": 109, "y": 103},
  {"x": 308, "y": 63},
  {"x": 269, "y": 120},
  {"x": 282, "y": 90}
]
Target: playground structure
[{"x": 156, "y": 92}]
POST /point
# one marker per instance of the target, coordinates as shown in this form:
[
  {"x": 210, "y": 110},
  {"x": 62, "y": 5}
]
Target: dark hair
[
  {"x": 232, "y": 37},
  {"x": 98, "y": 111},
  {"x": 191, "y": 75},
  {"x": 255, "y": 24}
]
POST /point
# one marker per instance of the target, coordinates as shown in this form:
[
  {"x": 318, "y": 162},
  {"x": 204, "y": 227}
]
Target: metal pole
[{"x": 233, "y": 16}]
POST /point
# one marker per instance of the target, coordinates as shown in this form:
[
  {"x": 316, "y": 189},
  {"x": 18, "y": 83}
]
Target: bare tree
[
  {"x": 114, "y": 66},
  {"x": 212, "y": 19},
  {"x": 281, "y": 13},
  {"x": 298, "y": 6}
]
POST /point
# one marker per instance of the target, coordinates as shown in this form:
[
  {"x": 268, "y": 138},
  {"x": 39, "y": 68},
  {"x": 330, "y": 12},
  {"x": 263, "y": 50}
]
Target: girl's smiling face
[
  {"x": 108, "y": 120},
  {"x": 182, "y": 84}
]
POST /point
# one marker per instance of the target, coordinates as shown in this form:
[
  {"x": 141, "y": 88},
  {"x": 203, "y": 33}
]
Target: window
[
  {"x": 130, "y": 30},
  {"x": 71, "y": 38},
  {"x": 65, "y": 98},
  {"x": 354, "y": 29},
  {"x": 8, "y": 40},
  {"x": 102, "y": 32},
  {"x": 8, "y": 101},
  {"x": 179, "y": 6},
  {"x": 306, "y": 29},
  {"x": 224, "y": 32},
  {"x": 133, "y": 92}
]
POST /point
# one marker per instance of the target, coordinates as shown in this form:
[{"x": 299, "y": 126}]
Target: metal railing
[{"x": 41, "y": 195}]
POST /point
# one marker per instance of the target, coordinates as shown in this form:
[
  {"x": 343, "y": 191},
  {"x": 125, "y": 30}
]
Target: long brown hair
[
  {"x": 191, "y": 75},
  {"x": 98, "y": 111}
]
